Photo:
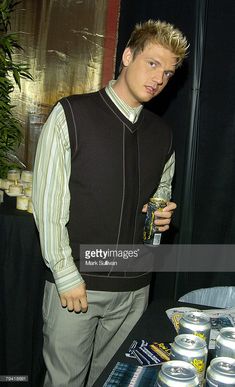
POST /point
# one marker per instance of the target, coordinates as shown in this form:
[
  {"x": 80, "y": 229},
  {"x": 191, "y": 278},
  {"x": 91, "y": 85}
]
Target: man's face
[{"x": 147, "y": 74}]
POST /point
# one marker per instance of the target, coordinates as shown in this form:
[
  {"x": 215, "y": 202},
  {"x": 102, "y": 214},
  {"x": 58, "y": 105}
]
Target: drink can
[
  {"x": 192, "y": 349},
  {"x": 176, "y": 373},
  {"x": 196, "y": 323},
  {"x": 225, "y": 342},
  {"x": 152, "y": 236},
  {"x": 221, "y": 372}
]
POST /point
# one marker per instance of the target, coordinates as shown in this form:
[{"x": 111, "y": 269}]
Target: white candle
[
  {"x": 6, "y": 183},
  {"x": 28, "y": 191},
  {"x": 16, "y": 189},
  {"x": 30, "y": 206},
  {"x": 27, "y": 176},
  {"x": 22, "y": 203},
  {"x": 13, "y": 174}
]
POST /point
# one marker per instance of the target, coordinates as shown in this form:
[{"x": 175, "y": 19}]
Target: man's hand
[
  {"x": 163, "y": 218},
  {"x": 75, "y": 299}
]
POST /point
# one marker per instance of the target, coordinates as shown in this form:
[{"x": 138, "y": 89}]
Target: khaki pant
[{"x": 75, "y": 342}]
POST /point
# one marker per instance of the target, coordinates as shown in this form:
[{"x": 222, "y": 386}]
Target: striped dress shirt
[{"x": 51, "y": 196}]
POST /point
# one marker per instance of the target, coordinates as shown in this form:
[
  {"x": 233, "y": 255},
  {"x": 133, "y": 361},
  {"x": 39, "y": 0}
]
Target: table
[
  {"x": 21, "y": 291},
  {"x": 154, "y": 325}
]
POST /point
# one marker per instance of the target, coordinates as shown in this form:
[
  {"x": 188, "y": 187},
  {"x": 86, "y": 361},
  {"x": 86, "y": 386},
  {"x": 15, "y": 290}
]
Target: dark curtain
[
  {"x": 215, "y": 178},
  {"x": 199, "y": 105}
]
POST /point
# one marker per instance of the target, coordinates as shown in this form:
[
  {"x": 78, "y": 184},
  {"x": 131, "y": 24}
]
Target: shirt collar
[{"x": 132, "y": 114}]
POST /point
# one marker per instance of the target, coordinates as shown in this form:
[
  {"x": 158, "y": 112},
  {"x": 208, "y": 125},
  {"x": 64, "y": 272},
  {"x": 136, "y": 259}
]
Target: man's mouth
[{"x": 151, "y": 90}]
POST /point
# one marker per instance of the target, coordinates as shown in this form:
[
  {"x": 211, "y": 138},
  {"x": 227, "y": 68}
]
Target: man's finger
[
  {"x": 63, "y": 302},
  {"x": 77, "y": 306},
  {"x": 162, "y": 221},
  {"x": 70, "y": 305},
  {"x": 145, "y": 208},
  {"x": 163, "y": 215},
  {"x": 84, "y": 305}
]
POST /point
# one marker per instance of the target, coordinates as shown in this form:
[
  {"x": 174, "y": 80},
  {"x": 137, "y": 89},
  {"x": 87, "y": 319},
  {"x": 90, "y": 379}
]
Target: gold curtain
[{"x": 63, "y": 43}]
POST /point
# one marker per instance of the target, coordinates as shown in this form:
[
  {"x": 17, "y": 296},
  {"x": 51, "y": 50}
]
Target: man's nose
[{"x": 158, "y": 76}]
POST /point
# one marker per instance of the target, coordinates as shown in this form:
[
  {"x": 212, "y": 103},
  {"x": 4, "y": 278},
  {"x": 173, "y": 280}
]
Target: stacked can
[
  {"x": 152, "y": 236},
  {"x": 196, "y": 323},
  {"x": 177, "y": 373},
  {"x": 192, "y": 349},
  {"x": 225, "y": 342},
  {"x": 221, "y": 372}
]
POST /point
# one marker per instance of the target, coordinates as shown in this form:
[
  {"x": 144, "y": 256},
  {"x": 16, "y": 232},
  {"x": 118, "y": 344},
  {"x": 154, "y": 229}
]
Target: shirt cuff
[{"x": 67, "y": 279}]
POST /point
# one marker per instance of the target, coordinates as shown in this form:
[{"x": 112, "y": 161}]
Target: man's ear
[{"x": 127, "y": 56}]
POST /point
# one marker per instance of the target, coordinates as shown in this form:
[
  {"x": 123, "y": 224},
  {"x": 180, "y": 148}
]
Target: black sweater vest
[{"x": 116, "y": 167}]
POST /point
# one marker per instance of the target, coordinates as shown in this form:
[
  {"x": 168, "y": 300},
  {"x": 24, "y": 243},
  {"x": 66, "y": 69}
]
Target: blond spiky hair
[{"x": 158, "y": 32}]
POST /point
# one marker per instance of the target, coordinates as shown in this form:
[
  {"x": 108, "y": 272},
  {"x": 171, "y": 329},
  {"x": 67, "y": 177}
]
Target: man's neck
[
  {"x": 132, "y": 114},
  {"x": 120, "y": 89}
]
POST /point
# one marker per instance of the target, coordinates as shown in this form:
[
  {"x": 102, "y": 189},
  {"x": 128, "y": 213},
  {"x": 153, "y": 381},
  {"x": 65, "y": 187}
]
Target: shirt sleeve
[
  {"x": 51, "y": 199},
  {"x": 165, "y": 185}
]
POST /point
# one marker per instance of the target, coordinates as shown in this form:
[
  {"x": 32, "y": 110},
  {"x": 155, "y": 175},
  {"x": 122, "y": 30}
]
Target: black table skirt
[{"x": 21, "y": 293}]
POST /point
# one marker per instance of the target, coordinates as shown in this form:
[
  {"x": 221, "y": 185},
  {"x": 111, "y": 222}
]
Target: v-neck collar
[{"x": 111, "y": 105}]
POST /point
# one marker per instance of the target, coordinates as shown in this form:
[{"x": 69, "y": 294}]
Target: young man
[{"x": 100, "y": 157}]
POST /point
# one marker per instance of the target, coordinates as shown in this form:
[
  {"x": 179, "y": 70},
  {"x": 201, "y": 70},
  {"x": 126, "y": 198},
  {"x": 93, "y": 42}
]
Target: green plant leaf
[{"x": 11, "y": 72}]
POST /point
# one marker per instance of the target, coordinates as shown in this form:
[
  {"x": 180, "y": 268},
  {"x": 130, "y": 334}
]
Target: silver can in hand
[{"x": 152, "y": 236}]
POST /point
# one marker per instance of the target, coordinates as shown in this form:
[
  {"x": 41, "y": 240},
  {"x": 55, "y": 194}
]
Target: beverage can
[
  {"x": 192, "y": 349},
  {"x": 221, "y": 372},
  {"x": 151, "y": 235},
  {"x": 196, "y": 323},
  {"x": 177, "y": 373},
  {"x": 225, "y": 342}
]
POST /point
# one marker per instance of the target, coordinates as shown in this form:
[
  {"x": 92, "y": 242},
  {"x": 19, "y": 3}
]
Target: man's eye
[
  {"x": 152, "y": 64},
  {"x": 169, "y": 74}
]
